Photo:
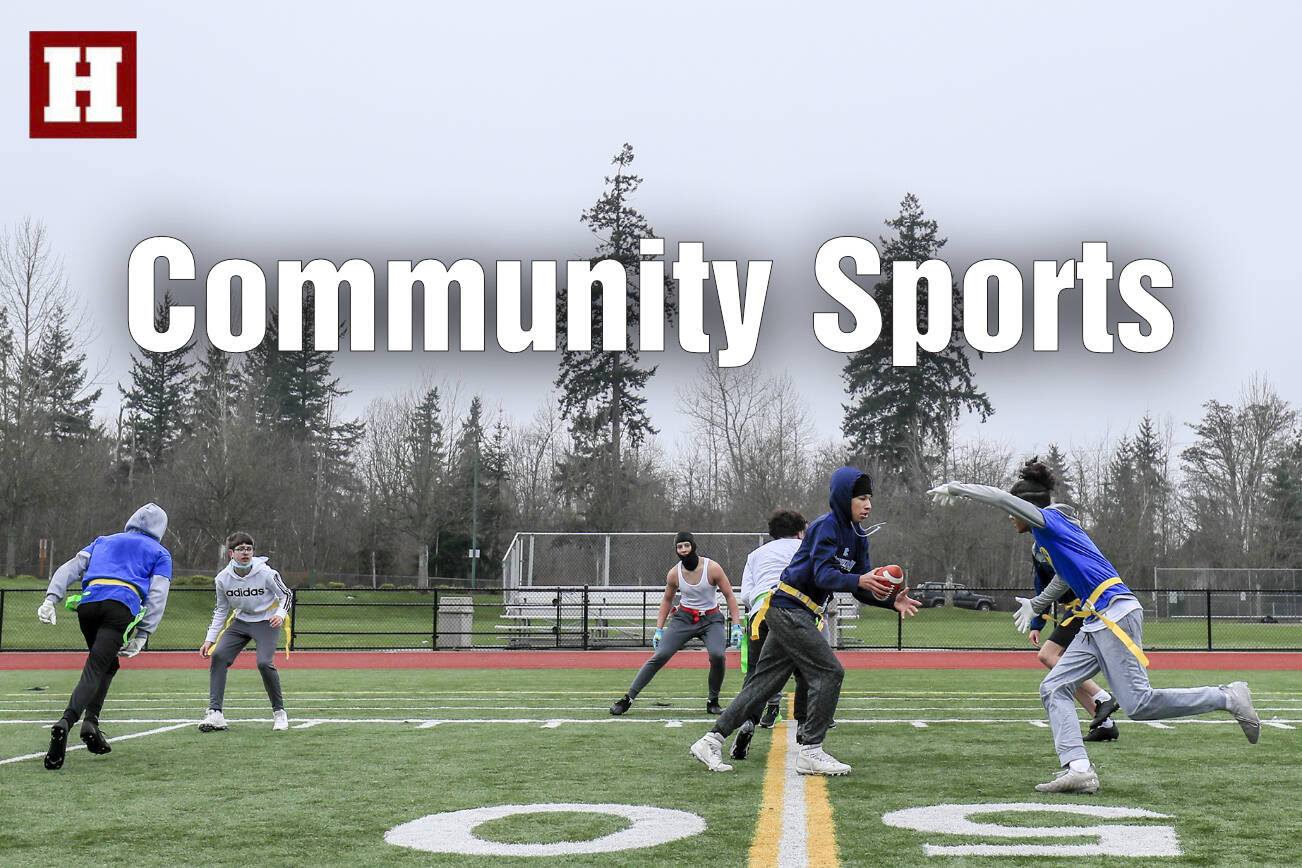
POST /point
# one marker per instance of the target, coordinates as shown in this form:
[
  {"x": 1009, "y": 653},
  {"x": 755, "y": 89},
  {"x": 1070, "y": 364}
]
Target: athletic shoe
[
  {"x": 709, "y": 750},
  {"x": 713, "y": 707},
  {"x": 279, "y": 720},
  {"x": 813, "y": 760},
  {"x": 1239, "y": 700},
  {"x": 95, "y": 741},
  {"x": 1103, "y": 733},
  {"x": 58, "y": 746},
  {"x": 1105, "y": 709},
  {"x": 741, "y": 744},
  {"x": 1068, "y": 781},
  {"x": 213, "y": 721},
  {"x": 770, "y": 717},
  {"x": 621, "y": 705}
]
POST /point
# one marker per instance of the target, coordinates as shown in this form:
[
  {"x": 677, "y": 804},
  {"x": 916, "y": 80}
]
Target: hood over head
[
  {"x": 844, "y": 481},
  {"x": 149, "y": 519}
]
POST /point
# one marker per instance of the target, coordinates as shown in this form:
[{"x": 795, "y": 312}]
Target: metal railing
[{"x": 590, "y": 617}]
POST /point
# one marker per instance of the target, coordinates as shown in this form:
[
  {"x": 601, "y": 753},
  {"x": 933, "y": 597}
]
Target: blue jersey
[
  {"x": 1075, "y": 558},
  {"x": 131, "y": 559}
]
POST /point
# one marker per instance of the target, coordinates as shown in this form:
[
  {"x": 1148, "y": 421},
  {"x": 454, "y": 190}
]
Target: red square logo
[{"x": 83, "y": 84}]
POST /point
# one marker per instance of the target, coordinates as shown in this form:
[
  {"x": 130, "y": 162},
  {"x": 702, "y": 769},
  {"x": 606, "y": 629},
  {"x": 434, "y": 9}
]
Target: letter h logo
[{"x": 83, "y": 84}]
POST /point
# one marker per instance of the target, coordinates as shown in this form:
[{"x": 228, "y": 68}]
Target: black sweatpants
[{"x": 102, "y": 623}]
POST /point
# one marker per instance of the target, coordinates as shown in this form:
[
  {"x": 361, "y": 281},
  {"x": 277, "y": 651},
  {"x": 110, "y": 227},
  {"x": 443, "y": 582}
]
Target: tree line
[{"x": 255, "y": 442}]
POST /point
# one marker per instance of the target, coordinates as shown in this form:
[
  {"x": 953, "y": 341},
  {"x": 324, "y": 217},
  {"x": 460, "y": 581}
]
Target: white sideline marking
[
  {"x": 1278, "y": 724},
  {"x": 552, "y": 724},
  {"x": 1041, "y": 724},
  {"x": 1156, "y": 724},
  {"x": 673, "y": 724},
  {"x": 920, "y": 724},
  {"x": 110, "y": 741},
  {"x": 793, "y": 847}
]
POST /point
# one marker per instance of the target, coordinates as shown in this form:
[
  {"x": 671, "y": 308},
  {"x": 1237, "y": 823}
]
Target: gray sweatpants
[
  {"x": 230, "y": 644},
  {"x": 679, "y": 629},
  {"x": 1102, "y": 650},
  {"x": 793, "y": 645}
]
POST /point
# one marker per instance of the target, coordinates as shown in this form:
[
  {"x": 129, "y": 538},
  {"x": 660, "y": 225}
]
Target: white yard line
[
  {"x": 793, "y": 846},
  {"x": 111, "y": 741}
]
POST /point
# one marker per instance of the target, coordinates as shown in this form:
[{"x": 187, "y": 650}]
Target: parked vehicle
[{"x": 933, "y": 594}]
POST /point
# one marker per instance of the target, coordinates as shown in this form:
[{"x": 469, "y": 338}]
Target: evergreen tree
[
  {"x": 294, "y": 392},
  {"x": 899, "y": 419},
  {"x": 602, "y": 392},
  {"x": 160, "y": 392}
]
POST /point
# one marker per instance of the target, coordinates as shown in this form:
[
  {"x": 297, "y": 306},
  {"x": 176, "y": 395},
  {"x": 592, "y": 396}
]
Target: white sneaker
[
  {"x": 213, "y": 721},
  {"x": 279, "y": 720},
  {"x": 1068, "y": 781},
  {"x": 1240, "y": 705},
  {"x": 709, "y": 750},
  {"x": 813, "y": 760}
]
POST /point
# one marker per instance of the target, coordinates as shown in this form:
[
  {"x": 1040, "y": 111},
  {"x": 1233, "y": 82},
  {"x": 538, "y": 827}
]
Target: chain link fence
[{"x": 593, "y": 617}]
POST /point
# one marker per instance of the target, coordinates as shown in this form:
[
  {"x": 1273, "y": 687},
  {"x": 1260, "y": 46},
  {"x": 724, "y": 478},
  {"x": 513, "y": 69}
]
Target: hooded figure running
[
  {"x": 832, "y": 557},
  {"x": 697, "y": 616},
  {"x": 124, "y": 579},
  {"x": 1111, "y": 636}
]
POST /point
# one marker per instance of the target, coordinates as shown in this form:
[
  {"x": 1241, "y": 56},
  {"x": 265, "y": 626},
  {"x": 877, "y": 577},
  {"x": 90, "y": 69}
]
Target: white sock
[
  {"x": 1102, "y": 695},
  {"x": 1107, "y": 724},
  {"x": 811, "y": 748},
  {"x": 715, "y": 737},
  {"x": 1079, "y": 765}
]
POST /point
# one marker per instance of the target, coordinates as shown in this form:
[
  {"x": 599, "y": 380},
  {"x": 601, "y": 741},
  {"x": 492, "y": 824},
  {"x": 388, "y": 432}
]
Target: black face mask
[{"x": 691, "y": 560}]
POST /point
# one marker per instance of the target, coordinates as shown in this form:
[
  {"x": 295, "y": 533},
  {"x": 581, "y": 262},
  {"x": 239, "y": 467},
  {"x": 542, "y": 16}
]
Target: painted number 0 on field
[{"x": 1114, "y": 839}]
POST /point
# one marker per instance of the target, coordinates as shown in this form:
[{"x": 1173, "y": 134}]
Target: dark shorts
[{"x": 1063, "y": 635}]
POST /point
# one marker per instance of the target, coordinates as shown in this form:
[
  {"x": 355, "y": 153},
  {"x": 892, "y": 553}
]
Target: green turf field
[{"x": 370, "y": 750}]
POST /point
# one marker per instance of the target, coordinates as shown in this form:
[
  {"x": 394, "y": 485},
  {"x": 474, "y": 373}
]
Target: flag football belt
[
  {"x": 697, "y": 613},
  {"x": 74, "y": 600},
  {"x": 1084, "y": 610},
  {"x": 791, "y": 592},
  {"x": 289, "y": 631}
]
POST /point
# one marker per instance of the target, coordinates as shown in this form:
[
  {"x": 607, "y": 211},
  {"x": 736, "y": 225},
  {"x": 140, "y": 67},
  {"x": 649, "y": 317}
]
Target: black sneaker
[
  {"x": 770, "y": 716},
  {"x": 621, "y": 705},
  {"x": 95, "y": 741},
  {"x": 1103, "y": 733},
  {"x": 1103, "y": 712},
  {"x": 58, "y": 746},
  {"x": 713, "y": 707},
  {"x": 741, "y": 745}
]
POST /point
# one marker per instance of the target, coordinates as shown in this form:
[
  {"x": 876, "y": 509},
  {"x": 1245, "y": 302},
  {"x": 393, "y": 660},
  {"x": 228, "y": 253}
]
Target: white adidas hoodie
[{"x": 258, "y": 595}]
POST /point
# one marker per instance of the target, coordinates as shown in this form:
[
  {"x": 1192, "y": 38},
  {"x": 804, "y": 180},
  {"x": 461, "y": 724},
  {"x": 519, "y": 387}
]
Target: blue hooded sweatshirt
[
  {"x": 833, "y": 554},
  {"x": 125, "y": 564}
]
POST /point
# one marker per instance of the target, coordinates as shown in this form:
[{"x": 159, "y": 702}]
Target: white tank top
[{"x": 700, "y": 596}]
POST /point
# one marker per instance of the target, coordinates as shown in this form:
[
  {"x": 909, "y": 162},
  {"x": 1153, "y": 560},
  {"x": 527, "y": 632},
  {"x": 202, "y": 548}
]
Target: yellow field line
[
  {"x": 819, "y": 831},
  {"x": 764, "y": 849},
  {"x": 820, "y": 837}
]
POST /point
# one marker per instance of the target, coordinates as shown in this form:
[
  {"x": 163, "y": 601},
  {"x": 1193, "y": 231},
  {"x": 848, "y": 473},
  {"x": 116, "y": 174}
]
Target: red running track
[{"x": 1212, "y": 660}]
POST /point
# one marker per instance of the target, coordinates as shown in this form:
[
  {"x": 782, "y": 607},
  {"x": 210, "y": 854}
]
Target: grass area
[{"x": 327, "y": 793}]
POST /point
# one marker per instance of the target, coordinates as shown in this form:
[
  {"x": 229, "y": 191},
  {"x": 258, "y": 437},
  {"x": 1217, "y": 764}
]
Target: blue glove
[
  {"x": 735, "y": 641},
  {"x": 656, "y": 637}
]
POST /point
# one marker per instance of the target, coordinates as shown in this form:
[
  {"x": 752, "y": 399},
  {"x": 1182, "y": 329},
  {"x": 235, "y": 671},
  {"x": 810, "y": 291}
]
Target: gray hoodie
[{"x": 258, "y": 595}]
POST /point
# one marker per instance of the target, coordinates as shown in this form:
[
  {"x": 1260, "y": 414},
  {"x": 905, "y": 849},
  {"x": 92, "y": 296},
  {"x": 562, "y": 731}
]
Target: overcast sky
[{"x": 482, "y": 130}]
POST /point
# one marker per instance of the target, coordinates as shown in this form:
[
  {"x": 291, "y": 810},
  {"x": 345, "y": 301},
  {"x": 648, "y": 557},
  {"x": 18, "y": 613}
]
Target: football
[{"x": 893, "y": 574}]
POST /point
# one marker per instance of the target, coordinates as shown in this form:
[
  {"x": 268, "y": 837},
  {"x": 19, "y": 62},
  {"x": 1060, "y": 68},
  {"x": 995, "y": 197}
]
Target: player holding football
[
  {"x": 1110, "y": 638},
  {"x": 832, "y": 557}
]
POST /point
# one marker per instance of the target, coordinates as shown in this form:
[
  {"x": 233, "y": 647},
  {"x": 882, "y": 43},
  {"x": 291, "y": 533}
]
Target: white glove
[
  {"x": 940, "y": 494},
  {"x": 1022, "y": 617},
  {"x": 132, "y": 648},
  {"x": 46, "y": 613}
]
